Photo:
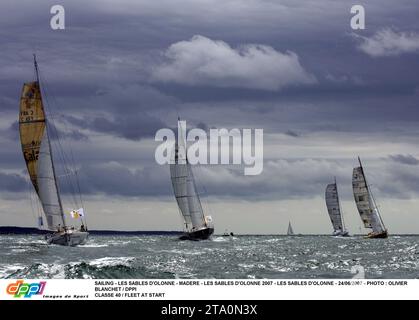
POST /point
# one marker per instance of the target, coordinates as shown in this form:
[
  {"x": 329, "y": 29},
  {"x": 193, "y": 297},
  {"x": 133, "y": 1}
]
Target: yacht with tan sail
[{"x": 35, "y": 130}]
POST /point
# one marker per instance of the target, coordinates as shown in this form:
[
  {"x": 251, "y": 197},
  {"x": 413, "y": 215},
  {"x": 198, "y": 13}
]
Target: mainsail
[
  {"x": 290, "y": 232},
  {"x": 333, "y": 207},
  {"x": 365, "y": 202},
  {"x": 185, "y": 189},
  {"x": 36, "y": 148}
]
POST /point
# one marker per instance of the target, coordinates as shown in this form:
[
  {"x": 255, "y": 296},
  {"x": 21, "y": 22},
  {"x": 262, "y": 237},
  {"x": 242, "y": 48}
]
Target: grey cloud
[
  {"x": 202, "y": 61},
  {"x": 281, "y": 179},
  {"x": 202, "y": 126},
  {"x": 12, "y": 132},
  {"x": 405, "y": 159},
  {"x": 112, "y": 178},
  {"x": 387, "y": 42},
  {"x": 132, "y": 127},
  {"x": 99, "y": 68},
  {"x": 12, "y": 182},
  {"x": 292, "y": 133}
]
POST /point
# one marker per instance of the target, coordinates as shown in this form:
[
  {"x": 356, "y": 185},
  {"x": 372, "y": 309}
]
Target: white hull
[{"x": 68, "y": 238}]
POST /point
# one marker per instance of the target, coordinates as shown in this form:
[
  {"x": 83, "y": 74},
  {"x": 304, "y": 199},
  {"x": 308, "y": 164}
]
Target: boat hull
[
  {"x": 68, "y": 238},
  {"x": 341, "y": 234},
  {"x": 202, "y": 234},
  {"x": 380, "y": 235}
]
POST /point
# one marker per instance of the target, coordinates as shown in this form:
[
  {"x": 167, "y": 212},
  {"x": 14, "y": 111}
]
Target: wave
[{"x": 103, "y": 268}]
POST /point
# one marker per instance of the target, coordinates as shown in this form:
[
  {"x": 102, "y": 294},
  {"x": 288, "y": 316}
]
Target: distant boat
[
  {"x": 290, "y": 232},
  {"x": 227, "y": 234},
  {"x": 366, "y": 204},
  {"x": 334, "y": 210},
  {"x": 198, "y": 226},
  {"x": 34, "y": 128}
]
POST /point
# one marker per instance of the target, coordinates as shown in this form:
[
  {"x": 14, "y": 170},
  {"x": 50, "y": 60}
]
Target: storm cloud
[
  {"x": 12, "y": 182},
  {"x": 405, "y": 159}
]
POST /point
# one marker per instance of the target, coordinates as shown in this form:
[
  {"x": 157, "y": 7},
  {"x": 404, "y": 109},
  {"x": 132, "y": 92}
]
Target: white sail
[
  {"x": 48, "y": 193},
  {"x": 333, "y": 207},
  {"x": 290, "y": 232},
  {"x": 185, "y": 189},
  {"x": 365, "y": 203}
]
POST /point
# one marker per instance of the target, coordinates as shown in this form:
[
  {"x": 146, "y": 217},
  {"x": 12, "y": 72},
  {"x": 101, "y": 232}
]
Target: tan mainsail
[{"x": 31, "y": 127}]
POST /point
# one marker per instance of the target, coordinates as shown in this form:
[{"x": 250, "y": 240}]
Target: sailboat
[
  {"x": 34, "y": 129},
  {"x": 334, "y": 210},
  {"x": 198, "y": 226},
  {"x": 366, "y": 204},
  {"x": 290, "y": 232}
]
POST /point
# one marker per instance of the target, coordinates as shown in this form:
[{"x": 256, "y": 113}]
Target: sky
[{"x": 322, "y": 92}]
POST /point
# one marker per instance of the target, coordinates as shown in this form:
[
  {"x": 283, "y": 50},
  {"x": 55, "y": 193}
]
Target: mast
[
  {"x": 36, "y": 68},
  {"x": 371, "y": 194},
  {"x": 49, "y": 146},
  {"x": 191, "y": 176},
  {"x": 54, "y": 174}
]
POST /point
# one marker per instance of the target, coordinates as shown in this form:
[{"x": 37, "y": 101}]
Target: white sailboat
[
  {"x": 334, "y": 210},
  {"x": 198, "y": 226},
  {"x": 366, "y": 205},
  {"x": 34, "y": 131},
  {"x": 290, "y": 231}
]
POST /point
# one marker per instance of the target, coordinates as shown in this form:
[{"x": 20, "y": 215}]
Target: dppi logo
[{"x": 27, "y": 290}]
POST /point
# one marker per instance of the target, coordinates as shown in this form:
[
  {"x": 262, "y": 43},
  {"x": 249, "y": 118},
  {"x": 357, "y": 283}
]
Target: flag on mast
[{"x": 75, "y": 214}]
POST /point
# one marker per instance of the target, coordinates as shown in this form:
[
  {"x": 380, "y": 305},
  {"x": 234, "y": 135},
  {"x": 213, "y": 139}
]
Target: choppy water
[{"x": 222, "y": 257}]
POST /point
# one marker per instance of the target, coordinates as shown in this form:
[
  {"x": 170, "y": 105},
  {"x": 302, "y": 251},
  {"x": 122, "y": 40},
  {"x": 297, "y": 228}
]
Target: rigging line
[
  {"x": 71, "y": 158},
  {"x": 34, "y": 213},
  {"x": 63, "y": 158},
  {"x": 60, "y": 149},
  {"x": 205, "y": 193},
  {"x": 66, "y": 163}
]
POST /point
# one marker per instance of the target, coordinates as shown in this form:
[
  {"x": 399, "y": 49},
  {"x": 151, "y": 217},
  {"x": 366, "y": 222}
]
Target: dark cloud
[
  {"x": 12, "y": 182},
  {"x": 98, "y": 75},
  {"x": 131, "y": 127},
  {"x": 292, "y": 133},
  {"x": 405, "y": 159},
  {"x": 202, "y": 126},
  {"x": 115, "y": 179},
  {"x": 12, "y": 132}
]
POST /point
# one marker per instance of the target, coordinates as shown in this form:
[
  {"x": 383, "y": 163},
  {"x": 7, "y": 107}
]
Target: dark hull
[
  {"x": 341, "y": 234},
  {"x": 202, "y": 234},
  {"x": 381, "y": 235}
]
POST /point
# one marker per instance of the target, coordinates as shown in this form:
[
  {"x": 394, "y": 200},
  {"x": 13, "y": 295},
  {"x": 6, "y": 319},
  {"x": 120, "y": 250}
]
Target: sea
[{"x": 222, "y": 257}]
